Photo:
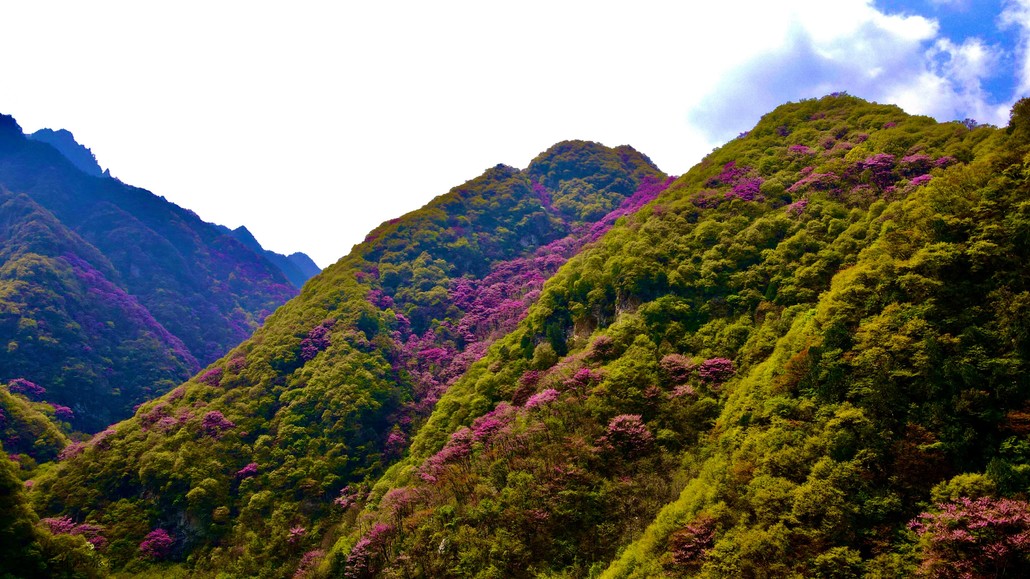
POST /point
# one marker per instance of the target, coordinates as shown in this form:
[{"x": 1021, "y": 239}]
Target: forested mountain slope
[
  {"x": 241, "y": 467},
  {"x": 805, "y": 357},
  {"x": 110, "y": 295}
]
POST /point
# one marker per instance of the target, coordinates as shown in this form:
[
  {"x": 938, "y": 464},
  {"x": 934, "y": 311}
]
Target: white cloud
[
  {"x": 853, "y": 47},
  {"x": 1016, "y": 14}
]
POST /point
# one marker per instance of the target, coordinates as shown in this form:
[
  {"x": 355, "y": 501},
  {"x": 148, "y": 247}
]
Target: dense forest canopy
[{"x": 804, "y": 357}]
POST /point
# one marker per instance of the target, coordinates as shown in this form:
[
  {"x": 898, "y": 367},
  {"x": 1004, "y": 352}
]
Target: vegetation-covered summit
[{"x": 327, "y": 393}]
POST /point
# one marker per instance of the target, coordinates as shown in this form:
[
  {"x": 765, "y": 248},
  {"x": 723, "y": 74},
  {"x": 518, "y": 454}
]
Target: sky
[{"x": 313, "y": 122}]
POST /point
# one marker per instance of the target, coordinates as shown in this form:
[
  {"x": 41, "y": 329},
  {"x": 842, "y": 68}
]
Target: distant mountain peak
[
  {"x": 297, "y": 267},
  {"x": 79, "y": 155}
]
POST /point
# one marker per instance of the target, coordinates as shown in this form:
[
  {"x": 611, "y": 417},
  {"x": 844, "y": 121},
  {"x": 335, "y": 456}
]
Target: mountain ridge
[
  {"x": 130, "y": 260},
  {"x": 800, "y": 358}
]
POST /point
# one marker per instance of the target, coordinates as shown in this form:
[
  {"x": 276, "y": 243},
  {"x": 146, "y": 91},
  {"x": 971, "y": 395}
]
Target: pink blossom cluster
[
  {"x": 543, "y": 397},
  {"x": 308, "y": 563},
  {"x": 248, "y": 471},
  {"x": 296, "y": 535},
  {"x": 66, "y": 526},
  {"x": 363, "y": 560},
  {"x": 457, "y": 449},
  {"x": 62, "y": 412},
  {"x": 215, "y": 423},
  {"x": 798, "y": 207},
  {"x": 628, "y": 434},
  {"x": 211, "y": 377},
  {"x": 316, "y": 340},
  {"x": 30, "y": 390},
  {"x": 157, "y": 544},
  {"x": 975, "y": 538},
  {"x": 715, "y": 370},
  {"x": 690, "y": 544}
]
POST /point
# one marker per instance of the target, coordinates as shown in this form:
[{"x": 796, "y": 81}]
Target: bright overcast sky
[{"x": 313, "y": 122}]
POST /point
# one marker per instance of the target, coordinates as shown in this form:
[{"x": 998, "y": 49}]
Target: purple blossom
[
  {"x": 101, "y": 439},
  {"x": 379, "y": 299},
  {"x": 542, "y": 194},
  {"x": 677, "y": 368},
  {"x": 974, "y": 538},
  {"x": 62, "y": 412},
  {"x": 917, "y": 164},
  {"x": 157, "y": 544},
  {"x": 59, "y": 525},
  {"x": 316, "y": 340},
  {"x": 487, "y": 426},
  {"x": 236, "y": 363},
  {"x": 65, "y": 526},
  {"x": 715, "y": 370},
  {"x": 28, "y": 389},
  {"x": 798, "y": 207},
  {"x": 945, "y": 161},
  {"x": 691, "y": 544},
  {"x": 457, "y": 449},
  {"x": 801, "y": 150},
  {"x": 211, "y": 377},
  {"x": 747, "y": 189},
  {"x": 920, "y": 180},
  {"x": 348, "y": 497},
  {"x": 248, "y": 471},
  {"x": 308, "y": 563},
  {"x": 296, "y": 534},
  {"x": 543, "y": 397},
  {"x": 364, "y": 558},
  {"x": 71, "y": 451},
  {"x": 628, "y": 434},
  {"x": 396, "y": 441},
  {"x": 582, "y": 378},
  {"x": 215, "y": 423},
  {"x": 817, "y": 181},
  {"x": 681, "y": 391},
  {"x": 530, "y": 378}
]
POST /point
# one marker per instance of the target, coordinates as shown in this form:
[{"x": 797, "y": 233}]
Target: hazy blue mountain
[
  {"x": 111, "y": 294},
  {"x": 297, "y": 267},
  {"x": 79, "y": 155}
]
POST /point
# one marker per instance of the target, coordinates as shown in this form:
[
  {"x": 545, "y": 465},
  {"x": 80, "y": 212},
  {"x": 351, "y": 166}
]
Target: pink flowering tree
[
  {"x": 969, "y": 538},
  {"x": 715, "y": 370},
  {"x": 30, "y": 390},
  {"x": 368, "y": 553},
  {"x": 248, "y": 471},
  {"x": 157, "y": 544},
  {"x": 215, "y": 423},
  {"x": 541, "y": 398},
  {"x": 65, "y": 526},
  {"x": 689, "y": 545},
  {"x": 628, "y": 434},
  {"x": 62, "y": 412}
]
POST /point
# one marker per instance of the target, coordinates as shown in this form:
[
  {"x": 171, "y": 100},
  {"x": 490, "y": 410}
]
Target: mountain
[
  {"x": 79, "y": 155},
  {"x": 297, "y": 267},
  {"x": 110, "y": 295},
  {"x": 327, "y": 392},
  {"x": 805, "y": 357}
]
